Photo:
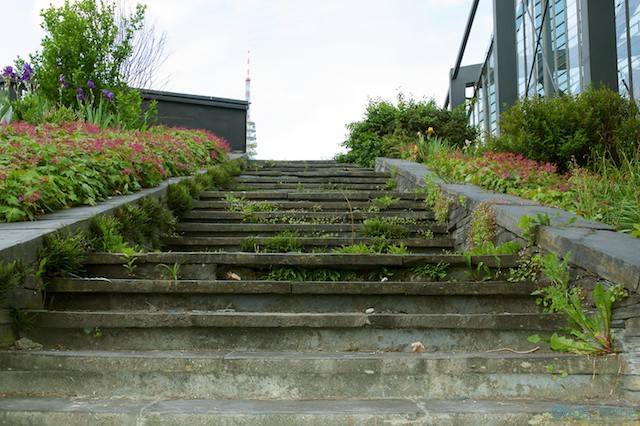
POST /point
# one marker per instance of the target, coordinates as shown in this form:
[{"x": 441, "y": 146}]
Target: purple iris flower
[
  {"x": 80, "y": 94},
  {"x": 91, "y": 85},
  {"x": 8, "y": 72},
  {"x": 27, "y": 71},
  {"x": 108, "y": 95},
  {"x": 63, "y": 81}
]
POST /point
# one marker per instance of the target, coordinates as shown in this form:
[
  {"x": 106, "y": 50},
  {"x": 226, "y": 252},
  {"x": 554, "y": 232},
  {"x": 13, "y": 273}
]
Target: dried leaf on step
[
  {"x": 233, "y": 276},
  {"x": 417, "y": 347}
]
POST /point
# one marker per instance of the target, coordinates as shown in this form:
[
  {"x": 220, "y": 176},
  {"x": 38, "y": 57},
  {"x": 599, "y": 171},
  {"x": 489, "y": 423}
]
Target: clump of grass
[
  {"x": 385, "y": 227},
  {"x": 306, "y": 274},
  {"x": 386, "y": 201},
  {"x": 433, "y": 272},
  {"x": 179, "y": 199},
  {"x": 286, "y": 241},
  {"x": 11, "y": 275},
  {"x": 379, "y": 246},
  {"x": 106, "y": 236},
  {"x": 62, "y": 253},
  {"x": 146, "y": 222}
]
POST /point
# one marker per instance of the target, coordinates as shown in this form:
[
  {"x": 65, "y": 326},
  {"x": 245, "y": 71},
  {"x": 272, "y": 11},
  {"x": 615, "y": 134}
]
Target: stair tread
[{"x": 214, "y": 408}]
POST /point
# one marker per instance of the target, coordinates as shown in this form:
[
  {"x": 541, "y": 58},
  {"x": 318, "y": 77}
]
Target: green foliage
[
  {"x": 179, "y": 199},
  {"x": 483, "y": 226},
  {"x": 78, "y": 163},
  {"x": 385, "y": 227},
  {"x": 563, "y": 128},
  {"x": 172, "y": 271},
  {"x": 23, "y": 319},
  {"x": 83, "y": 42},
  {"x": 308, "y": 274},
  {"x": 433, "y": 272},
  {"x": 62, "y": 253},
  {"x": 587, "y": 333},
  {"x": 146, "y": 222},
  {"x": 12, "y": 275},
  {"x": 379, "y": 246},
  {"x": 385, "y": 201},
  {"x": 286, "y": 241},
  {"x": 106, "y": 236},
  {"x": 387, "y": 129}
]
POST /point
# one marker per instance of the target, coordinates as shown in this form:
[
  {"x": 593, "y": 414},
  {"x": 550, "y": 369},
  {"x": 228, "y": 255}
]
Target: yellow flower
[{"x": 430, "y": 130}]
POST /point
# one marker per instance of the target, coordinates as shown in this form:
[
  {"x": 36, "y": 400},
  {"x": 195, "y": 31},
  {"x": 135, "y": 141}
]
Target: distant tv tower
[{"x": 251, "y": 126}]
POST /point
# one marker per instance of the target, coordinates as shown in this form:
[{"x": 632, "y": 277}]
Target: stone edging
[
  {"x": 21, "y": 240},
  {"x": 593, "y": 246}
]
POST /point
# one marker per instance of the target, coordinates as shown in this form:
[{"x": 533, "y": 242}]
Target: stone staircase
[{"x": 252, "y": 316}]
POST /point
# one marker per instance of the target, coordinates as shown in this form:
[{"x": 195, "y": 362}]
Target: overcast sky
[{"x": 314, "y": 64}]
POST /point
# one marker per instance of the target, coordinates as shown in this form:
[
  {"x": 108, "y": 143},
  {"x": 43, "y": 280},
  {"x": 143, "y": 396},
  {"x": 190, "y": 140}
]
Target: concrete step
[
  {"x": 250, "y": 186},
  {"x": 295, "y": 218},
  {"x": 434, "y": 245},
  {"x": 257, "y": 266},
  {"x": 324, "y": 173},
  {"x": 71, "y": 411},
  {"x": 207, "y": 229},
  {"x": 312, "y": 196},
  {"x": 303, "y": 375},
  {"x": 250, "y": 331},
  {"x": 302, "y": 205},
  {"x": 321, "y": 180},
  {"x": 273, "y": 296},
  {"x": 312, "y": 164}
]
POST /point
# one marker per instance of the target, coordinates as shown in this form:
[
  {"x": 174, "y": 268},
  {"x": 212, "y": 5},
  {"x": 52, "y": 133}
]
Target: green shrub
[
  {"x": 387, "y": 129},
  {"x": 178, "y": 198},
  {"x": 62, "y": 253},
  {"x": 561, "y": 129},
  {"x": 82, "y": 43},
  {"x": 11, "y": 275}
]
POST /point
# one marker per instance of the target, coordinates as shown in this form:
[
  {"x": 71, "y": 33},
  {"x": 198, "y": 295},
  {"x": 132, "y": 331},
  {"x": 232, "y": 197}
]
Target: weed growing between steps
[
  {"x": 386, "y": 227},
  {"x": 133, "y": 228},
  {"x": 378, "y": 246},
  {"x": 589, "y": 331},
  {"x": 483, "y": 226},
  {"x": 284, "y": 242},
  {"x": 435, "y": 272},
  {"x": 308, "y": 274},
  {"x": 12, "y": 274}
]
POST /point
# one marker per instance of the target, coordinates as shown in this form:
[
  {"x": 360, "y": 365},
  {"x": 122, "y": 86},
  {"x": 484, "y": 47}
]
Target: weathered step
[
  {"x": 297, "y": 217},
  {"x": 324, "y": 173},
  {"x": 333, "y": 266},
  {"x": 314, "y": 196},
  {"x": 197, "y": 330},
  {"x": 268, "y": 165},
  {"x": 278, "y": 296},
  {"x": 330, "y": 412},
  {"x": 309, "y": 230},
  {"x": 249, "y": 186},
  {"x": 319, "y": 205},
  {"x": 305, "y": 180},
  {"x": 414, "y": 245},
  {"x": 304, "y": 375}
]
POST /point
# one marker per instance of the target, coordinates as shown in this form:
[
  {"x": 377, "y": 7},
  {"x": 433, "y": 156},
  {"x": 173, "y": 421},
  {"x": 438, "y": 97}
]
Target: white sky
[{"x": 314, "y": 64}]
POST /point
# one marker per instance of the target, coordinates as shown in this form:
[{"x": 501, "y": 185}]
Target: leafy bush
[
  {"x": 83, "y": 42},
  {"x": 62, "y": 253},
  {"x": 387, "y": 129},
  {"x": 561, "y": 129},
  {"x": 49, "y": 167}
]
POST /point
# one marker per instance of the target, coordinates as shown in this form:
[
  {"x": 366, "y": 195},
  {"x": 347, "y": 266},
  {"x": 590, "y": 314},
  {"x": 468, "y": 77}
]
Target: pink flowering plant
[
  {"x": 50, "y": 167},
  {"x": 608, "y": 194}
]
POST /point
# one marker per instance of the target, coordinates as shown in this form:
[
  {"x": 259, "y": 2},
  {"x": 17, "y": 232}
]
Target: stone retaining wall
[
  {"x": 595, "y": 250},
  {"x": 22, "y": 240}
]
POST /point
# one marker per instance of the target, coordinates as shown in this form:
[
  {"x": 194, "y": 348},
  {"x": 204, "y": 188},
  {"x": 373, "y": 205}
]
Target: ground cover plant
[
  {"x": 49, "y": 167},
  {"x": 387, "y": 128}
]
